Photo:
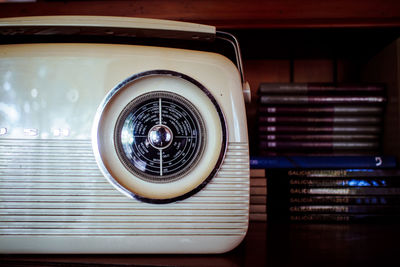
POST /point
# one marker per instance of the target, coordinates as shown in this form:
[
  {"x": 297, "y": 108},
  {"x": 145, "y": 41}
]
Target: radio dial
[{"x": 160, "y": 136}]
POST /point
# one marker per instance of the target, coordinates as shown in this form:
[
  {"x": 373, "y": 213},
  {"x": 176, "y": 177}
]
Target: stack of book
[
  {"x": 320, "y": 148},
  {"x": 258, "y": 195},
  {"x": 320, "y": 119},
  {"x": 334, "y": 195}
]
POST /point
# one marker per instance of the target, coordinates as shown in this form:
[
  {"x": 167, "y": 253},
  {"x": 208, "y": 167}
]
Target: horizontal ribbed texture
[{"x": 54, "y": 187}]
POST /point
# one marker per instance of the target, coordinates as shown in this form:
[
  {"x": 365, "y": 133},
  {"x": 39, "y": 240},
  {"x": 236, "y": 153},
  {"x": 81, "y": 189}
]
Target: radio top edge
[{"x": 124, "y": 30}]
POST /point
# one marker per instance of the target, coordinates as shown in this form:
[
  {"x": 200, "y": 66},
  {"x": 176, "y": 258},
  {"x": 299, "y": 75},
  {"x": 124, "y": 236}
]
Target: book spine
[
  {"x": 257, "y": 208},
  {"x": 345, "y": 191},
  {"x": 258, "y": 199},
  {"x": 257, "y": 182},
  {"x": 305, "y": 88},
  {"x": 337, "y": 173},
  {"x": 345, "y": 200},
  {"x": 370, "y": 120},
  {"x": 319, "y": 145},
  {"x": 258, "y": 191},
  {"x": 319, "y": 137},
  {"x": 346, "y": 182},
  {"x": 283, "y": 88},
  {"x": 258, "y": 217},
  {"x": 376, "y": 209},
  {"x": 309, "y": 162},
  {"x": 303, "y": 100},
  {"x": 346, "y": 218},
  {"x": 257, "y": 173},
  {"x": 315, "y": 153},
  {"x": 329, "y": 130},
  {"x": 319, "y": 110}
]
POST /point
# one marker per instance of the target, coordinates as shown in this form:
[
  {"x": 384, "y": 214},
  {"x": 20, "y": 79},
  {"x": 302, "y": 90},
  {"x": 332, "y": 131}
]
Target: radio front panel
[{"x": 121, "y": 149}]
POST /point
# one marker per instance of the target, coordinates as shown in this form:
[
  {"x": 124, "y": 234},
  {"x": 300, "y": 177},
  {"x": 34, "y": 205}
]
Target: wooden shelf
[
  {"x": 232, "y": 14},
  {"x": 265, "y": 245}
]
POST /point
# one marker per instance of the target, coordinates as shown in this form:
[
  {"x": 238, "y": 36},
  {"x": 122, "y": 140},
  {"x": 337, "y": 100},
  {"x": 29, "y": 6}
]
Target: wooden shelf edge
[{"x": 231, "y": 14}]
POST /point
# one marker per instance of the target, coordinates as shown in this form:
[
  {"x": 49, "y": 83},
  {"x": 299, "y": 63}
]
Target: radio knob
[{"x": 160, "y": 136}]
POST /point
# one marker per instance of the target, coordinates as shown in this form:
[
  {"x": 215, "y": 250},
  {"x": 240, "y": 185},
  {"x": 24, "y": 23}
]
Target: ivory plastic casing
[{"x": 57, "y": 119}]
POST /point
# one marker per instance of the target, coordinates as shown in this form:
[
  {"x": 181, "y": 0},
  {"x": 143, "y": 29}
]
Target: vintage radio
[{"x": 120, "y": 135}]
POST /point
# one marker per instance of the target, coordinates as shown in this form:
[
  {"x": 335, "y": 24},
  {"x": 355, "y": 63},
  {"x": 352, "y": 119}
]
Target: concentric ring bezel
[{"x": 101, "y": 139}]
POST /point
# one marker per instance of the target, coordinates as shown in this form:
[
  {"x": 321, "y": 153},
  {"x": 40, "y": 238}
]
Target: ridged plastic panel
[{"x": 54, "y": 188}]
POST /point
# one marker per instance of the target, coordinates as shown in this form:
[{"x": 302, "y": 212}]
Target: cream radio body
[{"x": 115, "y": 148}]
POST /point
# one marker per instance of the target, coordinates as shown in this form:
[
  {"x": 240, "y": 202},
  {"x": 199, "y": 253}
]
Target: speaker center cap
[{"x": 160, "y": 136}]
